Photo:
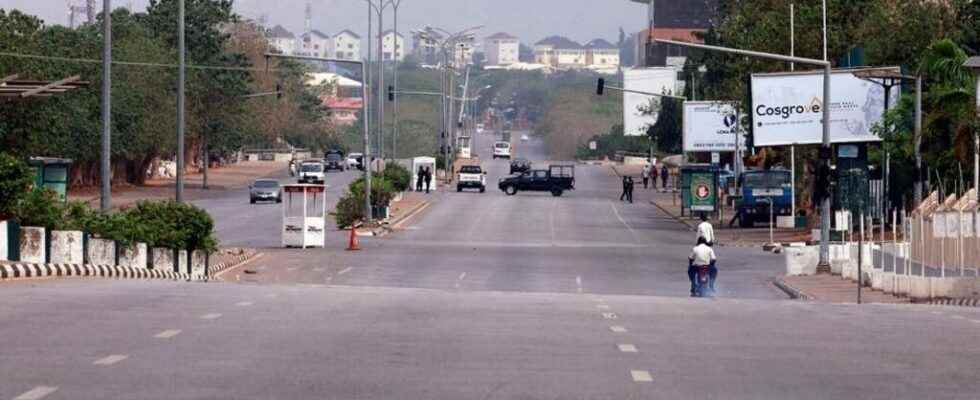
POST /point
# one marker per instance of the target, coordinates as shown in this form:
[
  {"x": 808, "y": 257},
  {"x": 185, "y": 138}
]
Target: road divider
[{"x": 33, "y": 271}]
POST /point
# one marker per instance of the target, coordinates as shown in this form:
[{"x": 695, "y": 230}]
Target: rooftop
[
  {"x": 559, "y": 42},
  {"x": 279, "y": 32},
  {"x": 600, "y": 44},
  {"x": 317, "y": 34},
  {"x": 349, "y": 33},
  {"x": 501, "y": 35}
]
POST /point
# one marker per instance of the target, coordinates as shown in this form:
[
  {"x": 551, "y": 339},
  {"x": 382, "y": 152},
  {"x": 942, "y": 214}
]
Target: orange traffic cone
[{"x": 352, "y": 244}]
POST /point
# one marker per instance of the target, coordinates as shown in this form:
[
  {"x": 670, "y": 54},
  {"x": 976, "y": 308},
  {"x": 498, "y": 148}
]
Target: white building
[
  {"x": 346, "y": 45},
  {"x": 601, "y": 54},
  {"x": 560, "y": 52},
  {"x": 463, "y": 54},
  {"x": 392, "y": 44},
  {"x": 282, "y": 40},
  {"x": 425, "y": 47},
  {"x": 314, "y": 44},
  {"x": 502, "y": 49}
]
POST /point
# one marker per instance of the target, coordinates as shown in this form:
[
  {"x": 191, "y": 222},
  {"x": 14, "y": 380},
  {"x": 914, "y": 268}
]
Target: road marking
[
  {"x": 609, "y": 315},
  {"x": 975, "y": 321},
  {"x": 344, "y": 271},
  {"x": 602, "y": 307},
  {"x": 936, "y": 312},
  {"x": 167, "y": 334},
  {"x": 459, "y": 280},
  {"x": 244, "y": 303},
  {"x": 272, "y": 295},
  {"x": 640, "y": 375},
  {"x": 211, "y": 316},
  {"x": 238, "y": 277},
  {"x": 410, "y": 216},
  {"x": 627, "y": 348},
  {"x": 318, "y": 269},
  {"x": 578, "y": 282},
  {"x": 109, "y": 360},
  {"x": 292, "y": 269},
  {"x": 617, "y": 329},
  {"x": 630, "y": 228},
  {"x": 959, "y": 317},
  {"x": 37, "y": 393}
]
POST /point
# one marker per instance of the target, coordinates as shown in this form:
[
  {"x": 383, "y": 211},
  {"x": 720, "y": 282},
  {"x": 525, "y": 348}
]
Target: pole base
[{"x": 823, "y": 268}]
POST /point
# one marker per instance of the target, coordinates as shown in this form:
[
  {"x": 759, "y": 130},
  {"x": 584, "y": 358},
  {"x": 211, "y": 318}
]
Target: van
[{"x": 501, "y": 150}]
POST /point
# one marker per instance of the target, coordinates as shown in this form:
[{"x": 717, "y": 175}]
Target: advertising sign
[
  {"x": 650, "y": 80},
  {"x": 710, "y": 126},
  {"x": 787, "y": 108},
  {"x": 703, "y": 191}
]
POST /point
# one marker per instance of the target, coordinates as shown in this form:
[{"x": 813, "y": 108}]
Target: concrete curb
[
  {"x": 791, "y": 291},
  {"x": 12, "y": 272},
  {"x": 671, "y": 215},
  {"x": 408, "y": 214},
  {"x": 951, "y": 302}
]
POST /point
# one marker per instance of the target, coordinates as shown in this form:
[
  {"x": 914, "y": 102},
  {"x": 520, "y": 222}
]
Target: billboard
[
  {"x": 787, "y": 107},
  {"x": 650, "y": 80},
  {"x": 710, "y": 126}
]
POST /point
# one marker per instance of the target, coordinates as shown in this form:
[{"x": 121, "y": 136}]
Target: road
[{"x": 479, "y": 296}]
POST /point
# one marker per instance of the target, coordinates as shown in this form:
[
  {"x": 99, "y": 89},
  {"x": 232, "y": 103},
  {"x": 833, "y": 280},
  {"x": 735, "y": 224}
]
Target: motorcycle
[{"x": 703, "y": 282}]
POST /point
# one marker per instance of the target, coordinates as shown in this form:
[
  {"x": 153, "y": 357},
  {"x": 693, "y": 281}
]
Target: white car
[
  {"x": 311, "y": 172},
  {"x": 524, "y": 138},
  {"x": 354, "y": 160},
  {"x": 471, "y": 176},
  {"x": 501, "y": 150}
]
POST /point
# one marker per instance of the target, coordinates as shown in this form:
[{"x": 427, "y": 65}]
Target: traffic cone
[{"x": 352, "y": 244}]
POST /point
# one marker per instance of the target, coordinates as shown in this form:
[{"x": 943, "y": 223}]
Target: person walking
[
  {"x": 626, "y": 183},
  {"x": 419, "y": 179},
  {"x": 653, "y": 175},
  {"x": 646, "y": 175},
  {"x": 428, "y": 179},
  {"x": 629, "y": 190},
  {"x": 664, "y": 173}
]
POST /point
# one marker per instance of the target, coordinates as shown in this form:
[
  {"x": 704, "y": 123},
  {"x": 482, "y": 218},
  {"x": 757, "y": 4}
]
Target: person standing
[
  {"x": 653, "y": 175},
  {"x": 629, "y": 190},
  {"x": 664, "y": 173},
  {"x": 626, "y": 184},
  {"x": 646, "y": 175},
  {"x": 428, "y": 179},
  {"x": 419, "y": 179},
  {"x": 706, "y": 231}
]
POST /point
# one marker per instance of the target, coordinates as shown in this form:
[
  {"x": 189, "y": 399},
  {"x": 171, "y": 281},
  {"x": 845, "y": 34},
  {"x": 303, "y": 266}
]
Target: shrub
[
  {"x": 170, "y": 224},
  {"x": 40, "y": 208},
  {"x": 398, "y": 175},
  {"x": 350, "y": 208},
  {"x": 15, "y": 181}
]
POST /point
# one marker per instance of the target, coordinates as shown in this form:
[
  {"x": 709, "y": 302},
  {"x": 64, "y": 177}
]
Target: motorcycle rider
[{"x": 701, "y": 255}]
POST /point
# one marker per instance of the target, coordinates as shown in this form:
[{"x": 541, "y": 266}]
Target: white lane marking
[
  {"x": 462, "y": 276},
  {"x": 936, "y": 312},
  {"x": 975, "y": 321},
  {"x": 578, "y": 282},
  {"x": 617, "y": 329},
  {"x": 292, "y": 269},
  {"x": 318, "y": 269},
  {"x": 109, "y": 360},
  {"x": 211, "y": 316},
  {"x": 609, "y": 315},
  {"x": 37, "y": 393},
  {"x": 238, "y": 277},
  {"x": 627, "y": 348},
  {"x": 272, "y": 295},
  {"x": 344, "y": 271},
  {"x": 959, "y": 317},
  {"x": 244, "y": 303},
  {"x": 459, "y": 281},
  {"x": 167, "y": 334},
  {"x": 602, "y": 307},
  {"x": 641, "y": 375},
  {"x": 630, "y": 228}
]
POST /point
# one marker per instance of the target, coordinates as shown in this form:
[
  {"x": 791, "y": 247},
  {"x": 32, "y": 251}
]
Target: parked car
[
  {"x": 264, "y": 190},
  {"x": 556, "y": 179},
  {"x": 311, "y": 172},
  {"x": 471, "y": 176},
  {"x": 335, "y": 160},
  {"x": 501, "y": 149},
  {"x": 525, "y": 138},
  {"x": 355, "y": 160},
  {"x": 519, "y": 166}
]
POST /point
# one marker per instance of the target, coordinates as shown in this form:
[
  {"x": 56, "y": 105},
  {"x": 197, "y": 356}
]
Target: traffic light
[
  {"x": 601, "y": 86},
  {"x": 391, "y": 93},
  {"x": 278, "y": 90}
]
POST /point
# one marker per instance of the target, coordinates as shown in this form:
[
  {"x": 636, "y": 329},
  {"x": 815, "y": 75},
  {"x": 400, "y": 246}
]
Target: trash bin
[{"x": 51, "y": 173}]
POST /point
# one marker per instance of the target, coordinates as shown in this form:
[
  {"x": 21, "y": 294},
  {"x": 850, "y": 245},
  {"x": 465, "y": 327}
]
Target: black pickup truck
[{"x": 556, "y": 179}]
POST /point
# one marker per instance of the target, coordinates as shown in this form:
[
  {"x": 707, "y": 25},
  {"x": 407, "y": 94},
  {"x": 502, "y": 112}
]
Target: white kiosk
[
  {"x": 424, "y": 162},
  {"x": 304, "y": 212},
  {"x": 463, "y": 144}
]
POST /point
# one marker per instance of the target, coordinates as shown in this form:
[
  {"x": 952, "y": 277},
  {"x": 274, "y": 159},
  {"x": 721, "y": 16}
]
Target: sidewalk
[{"x": 828, "y": 288}]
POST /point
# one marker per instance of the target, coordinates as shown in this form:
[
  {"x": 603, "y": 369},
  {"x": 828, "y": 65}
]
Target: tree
[{"x": 667, "y": 131}]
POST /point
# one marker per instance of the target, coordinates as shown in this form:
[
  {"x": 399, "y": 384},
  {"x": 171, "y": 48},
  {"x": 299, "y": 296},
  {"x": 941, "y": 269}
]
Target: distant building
[
  {"x": 343, "y": 100},
  {"x": 680, "y": 20},
  {"x": 501, "y": 49},
  {"x": 424, "y": 47},
  {"x": 560, "y": 52},
  {"x": 393, "y": 46},
  {"x": 463, "y": 54},
  {"x": 282, "y": 40},
  {"x": 599, "y": 53},
  {"x": 315, "y": 44},
  {"x": 346, "y": 45}
]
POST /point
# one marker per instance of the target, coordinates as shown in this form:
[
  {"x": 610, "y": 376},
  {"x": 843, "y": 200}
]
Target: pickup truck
[
  {"x": 471, "y": 176},
  {"x": 556, "y": 179},
  {"x": 311, "y": 172}
]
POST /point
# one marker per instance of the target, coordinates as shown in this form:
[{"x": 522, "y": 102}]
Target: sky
[{"x": 530, "y": 20}]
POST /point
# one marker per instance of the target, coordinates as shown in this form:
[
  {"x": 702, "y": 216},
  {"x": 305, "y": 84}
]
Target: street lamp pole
[
  {"x": 825, "y": 152},
  {"x": 106, "y": 200},
  {"x": 181, "y": 77},
  {"x": 398, "y": 47}
]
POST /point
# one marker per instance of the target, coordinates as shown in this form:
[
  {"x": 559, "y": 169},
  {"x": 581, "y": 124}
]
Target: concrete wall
[
  {"x": 133, "y": 256},
  {"x": 182, "y": 261},
  {"x": 67, "y": 247},
  {"x": 101, "y": 252},
  {"x": 801, "y": 260},
  {"x": 198, "y": 263},
  {"x": 163, "y": 259},
  {"x": 32, "y": 245}
]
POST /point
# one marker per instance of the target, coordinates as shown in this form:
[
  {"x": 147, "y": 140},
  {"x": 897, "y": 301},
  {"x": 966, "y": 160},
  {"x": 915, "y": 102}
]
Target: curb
[
  {"x": 951, "y": 302},
  {"x": 408, "y": 214},
  {"x": 11, "y": 272},
  {"x": 792, "y": 292},
  {"x": 672, "y": 216}
]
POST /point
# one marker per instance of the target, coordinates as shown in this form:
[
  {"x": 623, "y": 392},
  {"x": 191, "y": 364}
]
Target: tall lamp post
[
  {"x": 973, "y": 63},
  {"x": 106, "y": 201},
  {"x": 398, "y": 47},
  {"x": 379, "y": 7}
]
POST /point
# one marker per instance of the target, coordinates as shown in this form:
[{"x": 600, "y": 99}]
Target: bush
[
  {"x": 40, "y": 208},
  {"x": 15, "y": 181},
  {"x": 398, "y": 175},
  {"x": 169, "y": 224},
  {"x": 350, "y": 208}
]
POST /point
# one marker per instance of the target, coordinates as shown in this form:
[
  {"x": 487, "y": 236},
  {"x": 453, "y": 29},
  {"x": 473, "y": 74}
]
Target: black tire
[
  {"x": 483, "y": 189},
  {"x": 278, "y": 200},
  {"x": 459, "y": 188},
  {"x": 510, "y": 190},
  {"x": 556, "y": 192},
  {"x": 251, "y": 201}
]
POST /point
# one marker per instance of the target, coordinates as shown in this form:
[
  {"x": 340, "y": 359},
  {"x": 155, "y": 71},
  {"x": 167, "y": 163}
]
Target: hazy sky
[{"x": 531, "y": 20}]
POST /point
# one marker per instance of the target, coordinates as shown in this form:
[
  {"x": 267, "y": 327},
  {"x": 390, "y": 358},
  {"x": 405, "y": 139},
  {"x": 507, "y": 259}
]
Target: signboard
[
  {"x": 787, "y": 108},
  {"x": 710, "y": 126},
  {"x": 650, "y": 80},
  {"x": 593, "y": 146},
  {"x": 703, "y": 191},
  {"x": 848, "y": 151},
  {"x": 715, "y": 157}
]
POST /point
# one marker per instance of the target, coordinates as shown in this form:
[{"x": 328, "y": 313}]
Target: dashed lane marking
[
  {"x": 602, "y": 307},
  {"x": 109, "y": 360},
  {"x": 37, "y": 393},
  {"x": 459, "y": 281},
  {"x": 617, "y": 329},
  {"x": 344, "y": 271},
  {"x": 167, "y": 334},
  {"x": 578, "y": 283},
  {"x": 211, "y": 316},
  {"x": 959, "y": 317},
  {"x": 627, "y": 348},
  {"x": 640, "y": 375},
  {"x": 636, "y": 239},
  {"x": 609, "y": 315},
  {"x": 290, "y": 269},
  {"x": 244, "y": 303}
]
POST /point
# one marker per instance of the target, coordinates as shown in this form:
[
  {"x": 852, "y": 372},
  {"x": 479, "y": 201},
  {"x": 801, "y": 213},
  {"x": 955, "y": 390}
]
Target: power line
[{"x": 130, "y": 63}]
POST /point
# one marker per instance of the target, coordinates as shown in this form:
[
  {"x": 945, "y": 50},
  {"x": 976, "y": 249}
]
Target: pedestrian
[
  {"x": 646, "y": 175},
  {"x": 664, "y": 173},
  {"x": 419, "y": 179},
  {"x": 626, "y": 184},
  {"x": 428, "y": 179},
  {"x": 629, "y": 191},
  {"x": 653, "y": 175}
]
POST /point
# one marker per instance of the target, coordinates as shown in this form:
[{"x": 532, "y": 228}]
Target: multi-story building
[
  {"x": 281, "y": 40},
  {"x": 677, "y": 21},
  {"x": 599, "y": 53},
  {"x": 314, "y": 44},
  {"x": 560, "y": 52},
  {"x": 425, "y": 49},
  {"x": 346, "y": 45},
  {"x": 501, "y": 49},
  {"x": 392, "y": 46},
  {"x": 463, "y": 54}
]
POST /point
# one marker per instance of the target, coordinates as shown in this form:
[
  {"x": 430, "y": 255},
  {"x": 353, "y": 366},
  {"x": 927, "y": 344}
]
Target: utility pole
[
  {"x": 398, "y": 47},
  {"x": 918, "y": 141},
  {"x": 106, "y": 200},
  {"x": 181, "y": 76},
  {"x": 381, "y": 81}
]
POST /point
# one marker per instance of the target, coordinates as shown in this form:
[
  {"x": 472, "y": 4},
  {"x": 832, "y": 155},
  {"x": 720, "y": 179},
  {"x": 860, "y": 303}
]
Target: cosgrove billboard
[
  {"x": 787, "y": 108},
  {"x": 650, "y": 80},
  {"x": 710, "y": 126}
]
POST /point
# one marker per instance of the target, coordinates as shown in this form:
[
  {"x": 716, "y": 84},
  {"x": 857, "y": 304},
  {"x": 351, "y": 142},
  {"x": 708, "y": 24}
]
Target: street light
[{"x": 973, "y": 63}]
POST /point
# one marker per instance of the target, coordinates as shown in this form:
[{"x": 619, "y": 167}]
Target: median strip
[{"x": 37, "y": 393}]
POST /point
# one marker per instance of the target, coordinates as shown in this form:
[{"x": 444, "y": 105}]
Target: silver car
[{"x": 265, "y": 190}]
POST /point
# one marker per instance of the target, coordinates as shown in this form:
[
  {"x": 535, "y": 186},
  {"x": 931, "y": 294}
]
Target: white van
[{"x": 501, "y": 150}]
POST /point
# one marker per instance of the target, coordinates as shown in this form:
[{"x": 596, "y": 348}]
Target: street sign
[
  {"x": 716, "y": 158},
  {"x": 703, "y": 191},
  {"x": 593, "y": 146}
]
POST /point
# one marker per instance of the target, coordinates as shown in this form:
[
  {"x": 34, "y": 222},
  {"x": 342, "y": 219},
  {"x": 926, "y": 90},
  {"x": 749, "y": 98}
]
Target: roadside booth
[
  {"x": 51, "y": 173},
  {"x": 304, "y": 211},
  {"x": 699, "y": 188},
  {"x": 423, "y": 162},
  {"x": 463, "y": 144}
]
